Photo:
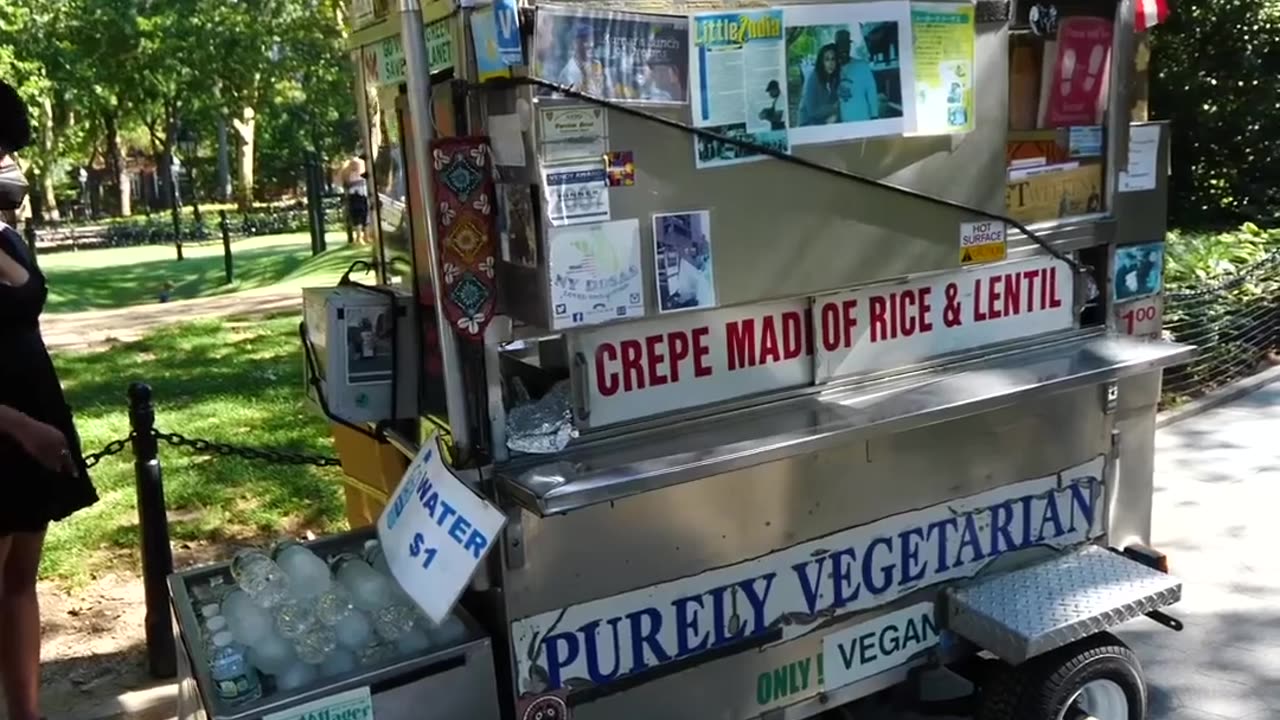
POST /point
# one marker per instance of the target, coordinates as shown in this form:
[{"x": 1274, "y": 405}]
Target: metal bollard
[
  {"x": 227, "y": 266},
  {"x": 153, "y": 521}
]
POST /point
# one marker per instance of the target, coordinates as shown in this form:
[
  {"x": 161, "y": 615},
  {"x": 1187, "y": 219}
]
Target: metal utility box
[{"x": 362, "y": 344}]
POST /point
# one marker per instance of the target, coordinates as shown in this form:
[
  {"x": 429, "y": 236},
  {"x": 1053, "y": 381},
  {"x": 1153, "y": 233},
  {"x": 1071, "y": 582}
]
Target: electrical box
[{"x": 363, "y": 347}]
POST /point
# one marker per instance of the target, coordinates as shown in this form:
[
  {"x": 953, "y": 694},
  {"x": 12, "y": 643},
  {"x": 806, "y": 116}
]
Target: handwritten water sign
[{"x": 435, "y": 532}]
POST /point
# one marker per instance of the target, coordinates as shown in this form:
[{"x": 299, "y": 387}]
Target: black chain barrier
[{"x": 209, "y": 447}]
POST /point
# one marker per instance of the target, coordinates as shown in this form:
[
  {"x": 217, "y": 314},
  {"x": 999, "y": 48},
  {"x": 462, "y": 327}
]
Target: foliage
[
  {"x": 105, "y": 77},
  {"x": 1214, "y": 75},
  {"x": 1222, "y": 296}
]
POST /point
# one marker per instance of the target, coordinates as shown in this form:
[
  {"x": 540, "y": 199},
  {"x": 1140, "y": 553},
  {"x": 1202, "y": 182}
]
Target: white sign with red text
[
  {"x": 1141, "y": 318},
  {"x": 637, "y": 370},
  {"x": 890, "y": 326},
  {"x": 691, "y": 359}
]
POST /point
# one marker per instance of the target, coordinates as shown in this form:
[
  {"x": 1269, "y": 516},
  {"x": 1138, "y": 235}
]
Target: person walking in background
[
  {"x": 45, "y": 475},
  {"x": 859, "y": 99},
  {"x": 820, "y": 98},
  {"x": 353, "y": 178}
]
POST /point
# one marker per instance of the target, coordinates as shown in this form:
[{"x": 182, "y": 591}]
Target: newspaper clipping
[{"x": 740, "y": 85}]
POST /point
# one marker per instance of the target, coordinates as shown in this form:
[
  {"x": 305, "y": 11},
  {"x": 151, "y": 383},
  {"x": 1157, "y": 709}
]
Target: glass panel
[{"x": 1059, "y": 82}]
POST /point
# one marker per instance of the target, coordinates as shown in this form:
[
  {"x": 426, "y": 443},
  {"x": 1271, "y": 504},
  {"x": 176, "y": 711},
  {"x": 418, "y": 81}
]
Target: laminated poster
[
  {"x": 484, "y": 37},
  {"x": 738, "y": 74},
  {"x": 1139, "y": 271},
  {"x": 615, "y": 56},
  {"x": 595, "y": 273},
  {"x": 846, "y": 67},
  {"x": 944, "y": 78}
]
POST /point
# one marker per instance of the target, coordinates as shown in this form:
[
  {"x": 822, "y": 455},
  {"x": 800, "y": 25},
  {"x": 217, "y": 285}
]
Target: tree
[{"x": 1215, "y": 66}]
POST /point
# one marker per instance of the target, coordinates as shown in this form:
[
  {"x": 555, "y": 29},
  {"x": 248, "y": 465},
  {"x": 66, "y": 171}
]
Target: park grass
[
  {"x": 121, "y": 277},
  {"x": 235, "y": 381}
]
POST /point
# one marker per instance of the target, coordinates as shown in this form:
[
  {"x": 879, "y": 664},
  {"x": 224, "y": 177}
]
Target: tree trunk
[
  {"x": 116, "y": 165},
  {"x": 224, "y": 162},
  {"x": 48, "y": 193},
  {"x": 245, "y": 129}
]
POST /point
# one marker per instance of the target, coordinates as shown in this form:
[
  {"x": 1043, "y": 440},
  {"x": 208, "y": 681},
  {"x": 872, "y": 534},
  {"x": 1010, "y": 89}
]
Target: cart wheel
[{"x": 1097, "y": 677}]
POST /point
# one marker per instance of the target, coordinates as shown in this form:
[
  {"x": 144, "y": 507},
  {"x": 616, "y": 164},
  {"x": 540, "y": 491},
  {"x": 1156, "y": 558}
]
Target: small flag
[{"x": 1150, "y": 13}]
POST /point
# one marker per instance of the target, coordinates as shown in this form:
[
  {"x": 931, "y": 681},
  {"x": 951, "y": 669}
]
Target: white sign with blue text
[
  {"x": 794, "y": 591},
  {"x": 435, "y": 532}
]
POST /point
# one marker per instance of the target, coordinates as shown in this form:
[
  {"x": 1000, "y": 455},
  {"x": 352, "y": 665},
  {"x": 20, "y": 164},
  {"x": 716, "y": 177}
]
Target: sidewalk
[{"x": 1217, "y": 485}]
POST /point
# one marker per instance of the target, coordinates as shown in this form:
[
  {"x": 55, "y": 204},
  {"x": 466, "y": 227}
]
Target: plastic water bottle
[
  {"x": 370, "y": 590},
  {"x": 295, "y": 676},
  {"x": 235, "y": 680},
  {"x": 308, "y": 575},
  {"x": 338, "y": 663},
  {"x": 413, "y": 640},
  {"x": 315, "y": 645},
  {"x": 352, "y": 626},
  {"x": 272, "y": 655},
  {"x": 449, "y": 633},
  {"x": 294, "y": 617},
  {"x": 260, "y": 577},
  {"x": 247, "y": 622}
]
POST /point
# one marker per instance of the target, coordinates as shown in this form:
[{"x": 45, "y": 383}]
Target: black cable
[{"x": 507, "y": 83}]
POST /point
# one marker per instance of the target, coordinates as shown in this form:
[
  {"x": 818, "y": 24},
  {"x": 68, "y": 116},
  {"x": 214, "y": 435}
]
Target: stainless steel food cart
[{"x": 904, "y": 430}]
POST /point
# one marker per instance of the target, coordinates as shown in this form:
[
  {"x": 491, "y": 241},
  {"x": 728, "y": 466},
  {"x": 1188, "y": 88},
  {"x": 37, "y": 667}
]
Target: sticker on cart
[
  {"x": 870, "y": 648},
  {"x": 354, "y": 704},
  {"x": 1139, "y": 271},
  {"x": 436, "y": 532},
  {"x": 982, "y": 242},
  {"x": 789, "y": 593},
  {"x": 544, "y": 707},
  {"x": 1142, "y": 318},
  {"x": 576, "y": 194},
  {"x": 622, "y": 168}
]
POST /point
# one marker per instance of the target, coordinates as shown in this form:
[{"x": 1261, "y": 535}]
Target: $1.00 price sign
[
  {"x": 435, "y": 532},
  {"x": 1141, "y": 318}
]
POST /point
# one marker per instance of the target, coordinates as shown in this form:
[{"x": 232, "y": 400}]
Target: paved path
[
  {"x": 97, "y": 328},
  {"x": 1217, "y": 490}
]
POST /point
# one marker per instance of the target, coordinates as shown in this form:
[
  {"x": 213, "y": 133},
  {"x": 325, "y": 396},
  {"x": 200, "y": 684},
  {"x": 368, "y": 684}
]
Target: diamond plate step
[{"x": 1028, "y": 612}]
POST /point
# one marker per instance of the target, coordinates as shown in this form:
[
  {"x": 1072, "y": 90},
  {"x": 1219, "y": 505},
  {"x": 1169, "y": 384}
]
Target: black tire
[{"x": 1041, "y": 688}]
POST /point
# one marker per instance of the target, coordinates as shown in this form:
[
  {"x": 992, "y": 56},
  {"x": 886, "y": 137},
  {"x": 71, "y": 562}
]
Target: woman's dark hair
[
  {"x": 820, "y": 69},
  {"x": 773, "y": 88},
  {"x": 15, "y": 127}
]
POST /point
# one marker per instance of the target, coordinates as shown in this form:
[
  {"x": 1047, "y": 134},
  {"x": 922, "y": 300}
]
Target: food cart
[{"x": 806, "y": 350}]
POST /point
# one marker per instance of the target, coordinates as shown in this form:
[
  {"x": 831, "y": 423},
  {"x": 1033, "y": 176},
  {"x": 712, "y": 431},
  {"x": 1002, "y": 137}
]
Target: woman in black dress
[{"x": 44, "y": 474}]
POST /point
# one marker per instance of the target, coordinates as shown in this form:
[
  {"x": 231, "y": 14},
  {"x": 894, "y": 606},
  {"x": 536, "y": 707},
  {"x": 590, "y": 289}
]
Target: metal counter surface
[{"x": 618, "y": 469}]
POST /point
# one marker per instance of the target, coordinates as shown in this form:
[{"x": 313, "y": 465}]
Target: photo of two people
[{"x": 845, "y": 73}]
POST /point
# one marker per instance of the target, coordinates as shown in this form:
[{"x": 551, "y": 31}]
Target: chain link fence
[{"x": 1234, "y": 320}]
